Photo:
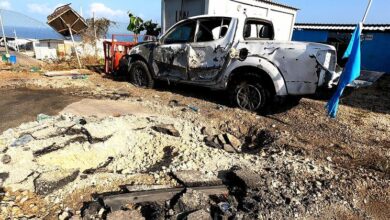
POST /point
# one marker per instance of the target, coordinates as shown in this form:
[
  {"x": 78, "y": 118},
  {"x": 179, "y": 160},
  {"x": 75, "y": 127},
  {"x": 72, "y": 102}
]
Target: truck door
[
  {"x": 171, "y": 57},
  {"x": 210, "y": 49}
]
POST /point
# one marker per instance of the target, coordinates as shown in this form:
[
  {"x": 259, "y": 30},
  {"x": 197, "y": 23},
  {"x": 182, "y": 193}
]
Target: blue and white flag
[{"x": 350, "y": 73}]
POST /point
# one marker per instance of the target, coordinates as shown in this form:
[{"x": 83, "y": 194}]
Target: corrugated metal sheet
[
  {"x": 341, "y": 27},
  {"x": 278, "y": 4}
]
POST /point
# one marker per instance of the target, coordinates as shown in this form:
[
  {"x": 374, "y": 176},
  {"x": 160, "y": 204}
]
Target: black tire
[
  {"x": 140, "y": 75},
  {"x": 250, "y": 95}
]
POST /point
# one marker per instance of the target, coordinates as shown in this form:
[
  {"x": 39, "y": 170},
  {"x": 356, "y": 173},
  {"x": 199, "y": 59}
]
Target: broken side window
[
  {"x": 258, "y": 29},
  {"x": 212, "y": 29},
  {"x": 183, "y": 33}
]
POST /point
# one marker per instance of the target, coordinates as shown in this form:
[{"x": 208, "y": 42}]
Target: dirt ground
[
  {"x": 18, "y": 106},
  {"x": 356, "y": 144}
]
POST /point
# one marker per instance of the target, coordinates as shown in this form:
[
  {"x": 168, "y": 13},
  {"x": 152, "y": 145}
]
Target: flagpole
[{"x": 367, "y": 10}]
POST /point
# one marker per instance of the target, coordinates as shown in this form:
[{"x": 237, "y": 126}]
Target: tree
[
  {"x": 137, "y": 25},
  {"x": 97, "y": 29}
]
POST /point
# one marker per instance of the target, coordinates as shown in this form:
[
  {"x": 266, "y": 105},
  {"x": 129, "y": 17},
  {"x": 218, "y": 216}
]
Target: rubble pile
[{"x": 47, "y": 162}]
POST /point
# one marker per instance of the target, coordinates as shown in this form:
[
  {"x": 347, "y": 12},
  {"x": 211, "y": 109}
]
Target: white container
[{"x": 282, "y": 16}]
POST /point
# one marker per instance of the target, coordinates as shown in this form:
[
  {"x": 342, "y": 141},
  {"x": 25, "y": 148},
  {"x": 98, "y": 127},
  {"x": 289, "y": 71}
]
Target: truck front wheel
[
  {"x": 140, "y": 75},
  {"x": 250, "y": 95}
]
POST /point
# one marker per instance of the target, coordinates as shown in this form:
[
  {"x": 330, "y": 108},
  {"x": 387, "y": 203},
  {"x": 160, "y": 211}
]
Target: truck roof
[{"x": 224, "y": 16}]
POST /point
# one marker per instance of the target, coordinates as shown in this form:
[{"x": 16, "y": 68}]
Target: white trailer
[{"x": 282, "y": 16}]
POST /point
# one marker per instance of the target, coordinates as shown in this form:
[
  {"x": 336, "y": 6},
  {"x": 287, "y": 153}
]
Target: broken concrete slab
[
  {"x": 168, "y": 129},
  {"x": 193, "y": 178},
  {"x": 192, "y": 200},
  {"x": 48, "y": 182},
  {"x": 199, "y": 215},
  {"x": 125, "y": 215},
  {"x": 250, "y": 179}
]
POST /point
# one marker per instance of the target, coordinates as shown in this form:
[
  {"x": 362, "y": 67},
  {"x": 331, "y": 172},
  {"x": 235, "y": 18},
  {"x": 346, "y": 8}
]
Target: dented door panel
[
  {"x": 171, "y": 60},
  {"x": 207, "y": 59}
]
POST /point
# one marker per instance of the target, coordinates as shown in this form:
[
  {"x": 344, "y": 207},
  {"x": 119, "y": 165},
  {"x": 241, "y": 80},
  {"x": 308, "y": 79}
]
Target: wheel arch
[
  {"x": 266, "y": 71},
  {"x": 136, "y": 57}
]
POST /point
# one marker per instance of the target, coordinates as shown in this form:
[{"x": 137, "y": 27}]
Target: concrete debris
[
  {"x": 193, "y": 178},
  {"x": 125, "y": 215},
  {"x": 65, "y": 215},
  {"x": 226, "y": 141},
  {"x": 249, "y": 179},
  {"x": 168, "y": 129},
  {"x": 199, "y": 215},
  {"x": 191, "y": 201},
  {"x": 48, "y": 182}
]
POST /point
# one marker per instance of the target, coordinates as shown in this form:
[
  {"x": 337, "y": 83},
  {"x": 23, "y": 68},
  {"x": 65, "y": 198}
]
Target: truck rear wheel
[
  {"x": 140, "y": 75},
  {"x": 250, "y": 95}
]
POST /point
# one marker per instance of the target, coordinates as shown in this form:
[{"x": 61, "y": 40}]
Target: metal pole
[
  {"x": 2, "y": 29},
  {"x": 367, "y": 10},
  {"x": 74, "y": 46},
  {"x": 16, "y": 41}
]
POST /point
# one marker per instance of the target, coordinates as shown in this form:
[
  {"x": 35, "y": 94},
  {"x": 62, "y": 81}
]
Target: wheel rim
[
  {"x": 139, "y": 77},
  {"x": 249, "y": 97}
]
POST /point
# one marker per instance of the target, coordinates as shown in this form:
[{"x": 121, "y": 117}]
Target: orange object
[{"x": 115, "y": 49}]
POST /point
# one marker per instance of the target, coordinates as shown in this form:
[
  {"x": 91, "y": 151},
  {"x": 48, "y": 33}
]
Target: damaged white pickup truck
[{"x": 239, "y": 55}]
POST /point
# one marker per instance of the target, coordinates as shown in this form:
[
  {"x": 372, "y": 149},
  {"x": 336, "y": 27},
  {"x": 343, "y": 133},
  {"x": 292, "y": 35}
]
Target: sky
[{"x": 318, "y": 11}]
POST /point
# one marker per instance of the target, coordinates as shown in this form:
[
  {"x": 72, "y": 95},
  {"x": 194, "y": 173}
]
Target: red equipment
[{"x": 115, "y": 49}]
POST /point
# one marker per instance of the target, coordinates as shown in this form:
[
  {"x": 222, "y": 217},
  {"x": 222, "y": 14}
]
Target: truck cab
[{"x": 236, "y": 54}]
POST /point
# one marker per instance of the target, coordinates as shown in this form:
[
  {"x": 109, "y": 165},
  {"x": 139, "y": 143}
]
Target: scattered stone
[
  {"x": 125, "y": 215},
  {"x": 199, "y": 215},
  {"x": 167, "y": 129},
  {"x": 192, "y": 200},
  {"x": 6, "y": 159},
  {"x": 250, "y": 179},
  {"x": 48, "y": 182},
  {"x": 65, "y": 215},
  {"x": 229, "y": 148},
  {"x": 232, "y": 140}
]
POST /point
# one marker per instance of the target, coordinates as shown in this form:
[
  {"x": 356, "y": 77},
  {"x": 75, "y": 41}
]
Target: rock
[
  {"x": 3, "y": 148},
  {"x": 232, "y": 140},
  {"x": 123, "y": 93},
  {"x": 48, "y": 182},
  {"x": 3, "y": 177},
  {"x": 229, "y": 148},
  {"x": 192, "y": 200},
  {"x": 250, "y": 179},
  {"x": 192, "y": 178},
  {"x": 199, "y": 215},
  {"x": 125, "y": 215},
  {"x": 210, "y": 141},
  {"x": 167, "y": 129},
  {"x": 23, "y": 140},
  {"x": 207, "y": 131},
  {"x": 221, "y": 139},
  {"x": 6, "y": 159},
  {"x": 65, "y": 215}
]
